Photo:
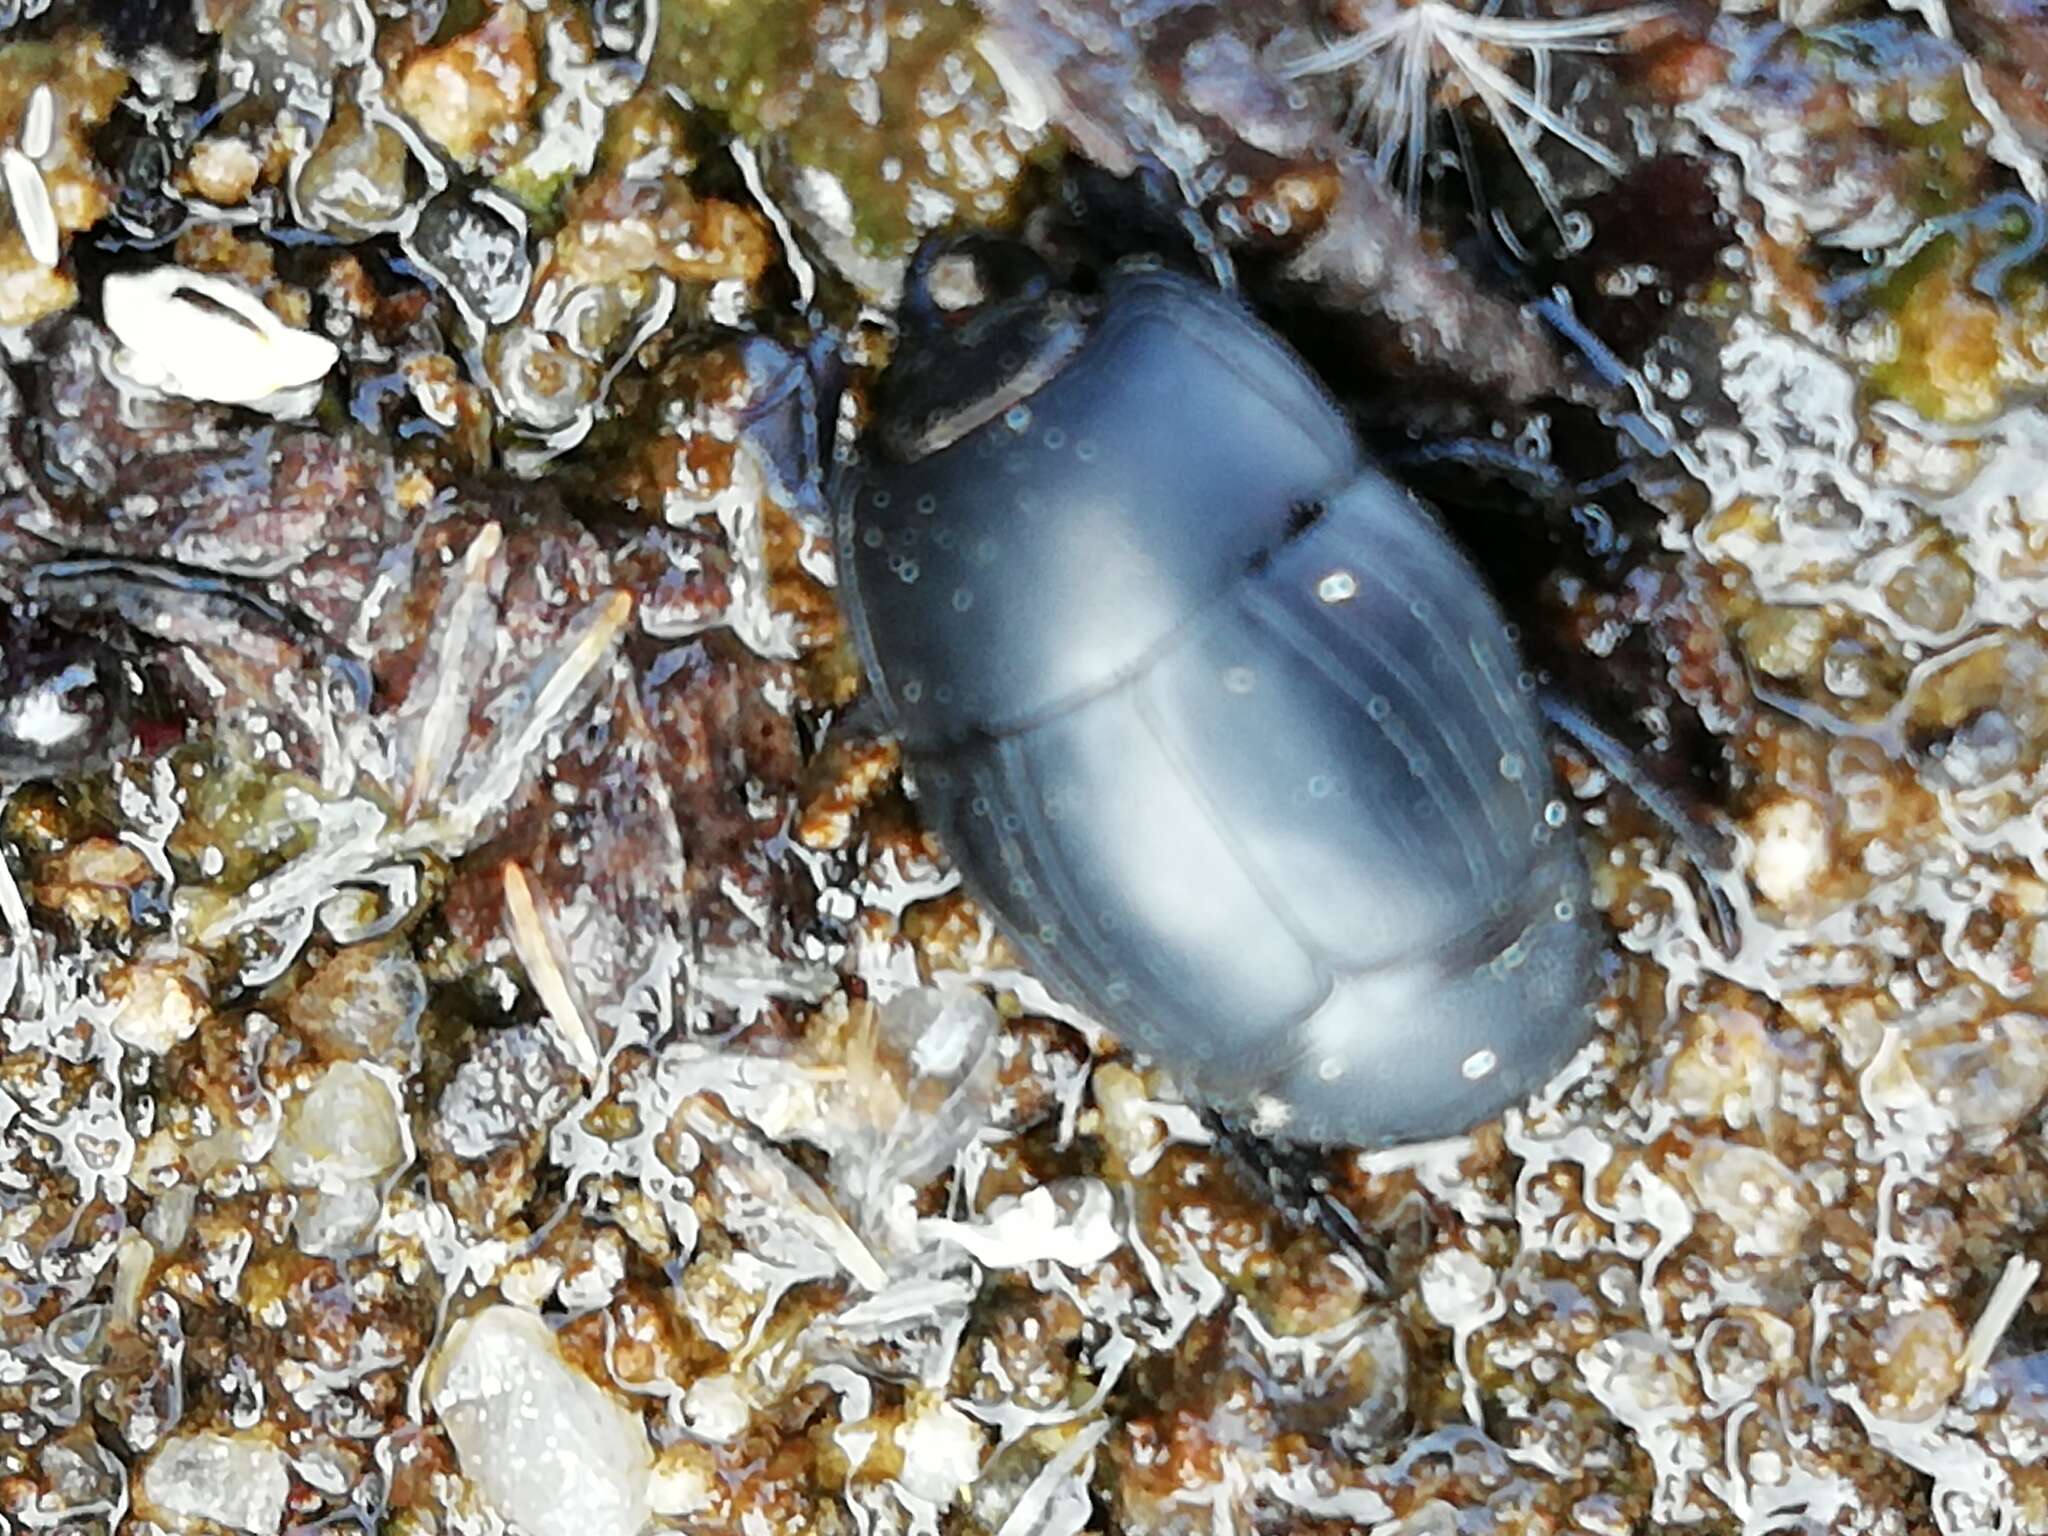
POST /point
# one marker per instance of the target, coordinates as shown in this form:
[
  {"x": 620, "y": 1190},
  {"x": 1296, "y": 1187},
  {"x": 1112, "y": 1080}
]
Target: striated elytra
[{"x": 1213, "y": 717}]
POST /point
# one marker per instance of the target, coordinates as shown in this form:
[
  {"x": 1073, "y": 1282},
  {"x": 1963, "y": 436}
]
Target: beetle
[{"x": 1209, "y": 711}]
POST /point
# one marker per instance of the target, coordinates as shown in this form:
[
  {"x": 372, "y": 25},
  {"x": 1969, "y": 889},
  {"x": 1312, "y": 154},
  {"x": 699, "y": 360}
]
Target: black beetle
[{"x": 1210, "y": 712}]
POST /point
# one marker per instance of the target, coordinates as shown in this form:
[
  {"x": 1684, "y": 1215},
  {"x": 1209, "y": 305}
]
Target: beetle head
[{"x": 983, "y": 330}]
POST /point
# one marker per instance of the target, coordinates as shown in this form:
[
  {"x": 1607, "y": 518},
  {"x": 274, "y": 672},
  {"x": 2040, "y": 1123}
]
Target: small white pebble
[
  {"x": 159, "y": 1008},
  {"x": 1791, "y": 849},
  {"x": 716, "y": 1408},
  {"x": 343, "y": 1130},
  {"x": 550, "y": 1450},
  {"x": 202, "y": 338},
  {"x": 39, "y": 122},
  {"x": 32, "y": 207},
  {"x": 942, "y": 1451},
  {"x": 239, "y": 1481},
  {"x": 681, "y": 1488},
  {"x": 1456, "y": 1286}
]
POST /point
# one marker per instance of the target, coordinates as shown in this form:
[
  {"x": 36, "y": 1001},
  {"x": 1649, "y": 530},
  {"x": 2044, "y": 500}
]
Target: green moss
[
  {"x": 1912, "y": 99},
  {"x": 238, "y": 813},
  {"x": 1894, "y": 291},
  {"x": 540, "y": 197},
  {"x": 1953, "y": 337},
  {"x": 744, "y": 59},
  {"x": 42, "y": 818},
  {"x": 923, "y": 129}
]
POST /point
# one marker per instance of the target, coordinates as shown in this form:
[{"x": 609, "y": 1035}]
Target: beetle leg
[
  {"x": 791, "y": 421},
  {"x": 1537, "y": 477},
  {"x": 862, "y": 718},
  {"x": 1707, "y": 843},
  {"x": 1647, "y": 425},
  {"x": 1295, "y": 1180},
  {"x": 1707, "y": 846}
]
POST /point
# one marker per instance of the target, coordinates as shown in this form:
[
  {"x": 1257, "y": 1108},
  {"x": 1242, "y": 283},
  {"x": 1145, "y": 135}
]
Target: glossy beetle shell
[{"x": 1213, "y": 717}]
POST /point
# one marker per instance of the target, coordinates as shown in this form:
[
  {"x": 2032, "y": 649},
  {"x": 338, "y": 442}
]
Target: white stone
[
  {"x": 341, "y": 1133},
  {"x": 336, "y": 1222},
  {"x": 1072, "y": 1223},
  {"x": 716, "y": 1408},
  {"x": 1456, "y": 1286},
  {"x": 188, "y": 334},
  {"x": 1754, "y": 1193},
  {"x": 233, "y": 1480},
  {"x": 941, "y": 1453},
  {"x": 1791, "y": 849},
  {"x": 365, "y": 1005},
  {"x": 1990, "y": 1081},
  {"x": 160, "y": 1006},
  {"x": 549, "y": 1449},
  {"x": 943, "y": 1030},
  {"x": 682, "y": 1487}
]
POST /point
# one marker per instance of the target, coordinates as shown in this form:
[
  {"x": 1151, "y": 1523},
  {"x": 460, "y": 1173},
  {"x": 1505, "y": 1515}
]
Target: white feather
[{"x": 1398, "y": 59}]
